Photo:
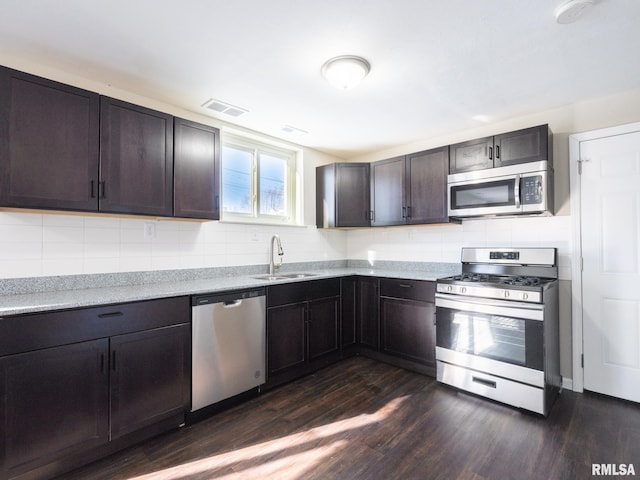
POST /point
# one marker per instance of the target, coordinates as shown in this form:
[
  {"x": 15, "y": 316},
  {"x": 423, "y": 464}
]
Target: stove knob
[
  {"x": 506, "y": 293},
  {"x": 525, "y": 296},
  {"x": 449, "y": 288},
  {"x": 463, "y": 289}
]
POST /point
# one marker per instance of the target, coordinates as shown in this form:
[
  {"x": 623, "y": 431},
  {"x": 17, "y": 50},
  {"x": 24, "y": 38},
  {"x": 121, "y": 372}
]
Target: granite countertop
[{"x": 88, "y": 291}]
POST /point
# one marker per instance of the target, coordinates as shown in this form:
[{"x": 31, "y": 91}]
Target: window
[{"x": 258, "y": 182}]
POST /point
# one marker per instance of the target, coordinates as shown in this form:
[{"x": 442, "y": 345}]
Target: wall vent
[{"x": 226, "y": 108}]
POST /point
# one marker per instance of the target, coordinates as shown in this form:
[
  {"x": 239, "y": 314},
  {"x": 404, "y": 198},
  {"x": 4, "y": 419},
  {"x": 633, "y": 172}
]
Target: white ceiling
[{"x": 435, "y": 64}]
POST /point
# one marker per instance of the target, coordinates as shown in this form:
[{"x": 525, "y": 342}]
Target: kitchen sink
[
  {"x": 270, "y": 278},
  {"x": 283, "y": 276},
  {"x": 298, "y": 275}
]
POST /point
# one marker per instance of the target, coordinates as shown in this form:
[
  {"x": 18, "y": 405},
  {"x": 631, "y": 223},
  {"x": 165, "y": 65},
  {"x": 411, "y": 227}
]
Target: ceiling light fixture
[
  {"x": 345, "y": 71},
  {"x": 571, "y": 11}
]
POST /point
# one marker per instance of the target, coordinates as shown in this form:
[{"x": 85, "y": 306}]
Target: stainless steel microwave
[{"x": 525, "y": 188}]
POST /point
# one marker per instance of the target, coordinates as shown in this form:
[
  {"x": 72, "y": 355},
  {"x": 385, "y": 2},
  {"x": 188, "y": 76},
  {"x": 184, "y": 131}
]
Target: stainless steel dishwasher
[{"x": 228, "y": 345}]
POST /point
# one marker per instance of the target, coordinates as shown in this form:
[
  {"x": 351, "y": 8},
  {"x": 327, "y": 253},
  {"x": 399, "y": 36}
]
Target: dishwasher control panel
[{"x": 228, "y": 297}]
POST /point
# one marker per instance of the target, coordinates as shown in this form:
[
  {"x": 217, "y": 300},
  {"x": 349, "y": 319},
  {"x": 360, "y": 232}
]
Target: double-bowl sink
[{"x": 283, "y": 276}]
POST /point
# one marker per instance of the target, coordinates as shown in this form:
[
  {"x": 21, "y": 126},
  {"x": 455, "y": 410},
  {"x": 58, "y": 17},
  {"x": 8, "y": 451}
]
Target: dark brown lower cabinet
[
  {"x": 286, "y": 338},
  {"x": 348, "y": 299},
  {"x": 303, "y": 328},
  {"x": 64, "y": 405},
  {"x": 367, "y": 321},
  {"x": 53, "y": 403},
  {"x": 407, "y": 314},
  {"x": 150, "y": 374},
  {"x": 323, "y": 324},
  {"x": 408, "y": 330}
]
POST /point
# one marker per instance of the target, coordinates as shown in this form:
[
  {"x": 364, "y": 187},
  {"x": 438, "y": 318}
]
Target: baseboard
[{"x": 567, "y": 383}]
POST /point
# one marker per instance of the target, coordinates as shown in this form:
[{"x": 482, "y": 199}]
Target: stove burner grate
[
  {"x": 472, "y": 277},
  {"x": 521, "y": 281}
]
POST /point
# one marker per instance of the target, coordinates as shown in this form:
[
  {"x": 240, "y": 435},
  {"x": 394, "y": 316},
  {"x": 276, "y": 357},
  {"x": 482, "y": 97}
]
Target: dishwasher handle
[{"x": 232, "y": 303}]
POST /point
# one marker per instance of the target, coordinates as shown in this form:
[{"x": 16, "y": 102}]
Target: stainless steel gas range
[{"x": 497, "y": 326}]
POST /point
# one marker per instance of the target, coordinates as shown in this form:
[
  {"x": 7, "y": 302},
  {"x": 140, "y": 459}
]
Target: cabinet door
[
  {"x": 196, "y": 170},
  {"x": 352, "y": 195},
  {"x": 426, "y": 189},
  {"x": 471, "y": 155},
  {"x": 136, "y": 159},
  {"x": 53, "y": 403},
  {"x": 286, "y": 335},
  {"x": 48, "y": 143},
  {"x": 522, "y": 146},
  {"x": 326, "y": 196},
  {"x": 323, "y": 321},
  {"x": 367, "y": 309},
  {"x": 348, "y": 312},
  {"x": 408, "y": 330},
  {"x": 150, "y": 375},
  {"x": 387, "y": 192}
]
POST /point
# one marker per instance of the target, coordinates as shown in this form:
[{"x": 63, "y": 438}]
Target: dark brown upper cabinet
[
  {"x": 411, "y": 189},
  {"x": 342, "y": 195},
  {"x": 196, "y": 170},
  {"x": 48, "y": 144},
  {"x": 63, "y": 148},
  {"x": 520, "y": 146},
  {"x": 136, "y": 159},
  {"x": 471, "y": 155},
  {"x": 387, "y": 192}
]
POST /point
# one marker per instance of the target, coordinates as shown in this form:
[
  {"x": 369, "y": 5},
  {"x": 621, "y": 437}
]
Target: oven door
[{"x": 491, "y": 331}]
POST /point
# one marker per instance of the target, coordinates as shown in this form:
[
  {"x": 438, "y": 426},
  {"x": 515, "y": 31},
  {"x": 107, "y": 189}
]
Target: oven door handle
[
  {"x": 516, "y": 190},
  {"x": 491, "y": 307}
]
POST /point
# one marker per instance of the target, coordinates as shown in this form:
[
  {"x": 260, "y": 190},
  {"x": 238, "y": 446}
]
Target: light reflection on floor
[{"x": 282, "y": 463}]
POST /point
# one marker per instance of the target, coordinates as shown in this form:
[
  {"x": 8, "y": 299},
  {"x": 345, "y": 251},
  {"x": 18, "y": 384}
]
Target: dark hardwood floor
[{"x": 362, "y": 419}]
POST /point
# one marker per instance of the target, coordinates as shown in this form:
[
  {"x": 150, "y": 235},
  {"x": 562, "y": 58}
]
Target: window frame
[{"x": 292, "y": 190}]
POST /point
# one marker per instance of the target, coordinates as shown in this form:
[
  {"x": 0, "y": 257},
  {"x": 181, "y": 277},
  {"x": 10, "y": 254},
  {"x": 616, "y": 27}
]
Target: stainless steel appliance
[
  {"x": 525, "y": 188},
  {"x": 229, "y": 345},
  {"x": 497, "y": 326}
]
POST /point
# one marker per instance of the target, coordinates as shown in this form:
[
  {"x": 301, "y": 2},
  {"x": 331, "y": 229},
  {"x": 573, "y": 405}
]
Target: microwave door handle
[{"x": 516, "y": 190}]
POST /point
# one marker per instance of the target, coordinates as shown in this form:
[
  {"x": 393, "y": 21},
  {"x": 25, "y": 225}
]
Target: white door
[{"x": 610, "y": 233}]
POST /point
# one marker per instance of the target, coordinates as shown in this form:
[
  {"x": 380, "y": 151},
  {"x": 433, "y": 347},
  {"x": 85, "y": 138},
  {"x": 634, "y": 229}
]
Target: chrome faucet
[{"x": 273, "y": 267}]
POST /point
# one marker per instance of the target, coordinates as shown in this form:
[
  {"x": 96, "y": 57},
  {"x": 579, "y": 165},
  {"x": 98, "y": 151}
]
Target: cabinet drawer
[
  {"x": 302, "y": 291},
  {"x": 23, "y": 333},
  {"x": 409, "y": 289},
  {"x": 500, "y": 389}
]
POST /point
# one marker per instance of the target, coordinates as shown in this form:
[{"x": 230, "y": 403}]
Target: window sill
[{"x": 263, "y": 223}]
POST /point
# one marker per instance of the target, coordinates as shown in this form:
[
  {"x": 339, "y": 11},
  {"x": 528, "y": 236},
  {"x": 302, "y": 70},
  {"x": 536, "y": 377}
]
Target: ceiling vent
[
  {"x": 294, "y": 130},
  {"x": 226, "y": 108}
]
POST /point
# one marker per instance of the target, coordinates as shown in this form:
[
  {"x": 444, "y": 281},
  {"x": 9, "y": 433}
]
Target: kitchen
[{"x": 37, "y": 245}]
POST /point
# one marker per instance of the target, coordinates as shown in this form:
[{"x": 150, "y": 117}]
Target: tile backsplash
[
  {"x": 442, "y": 243},
  {"x": 34, "y": 244}
]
